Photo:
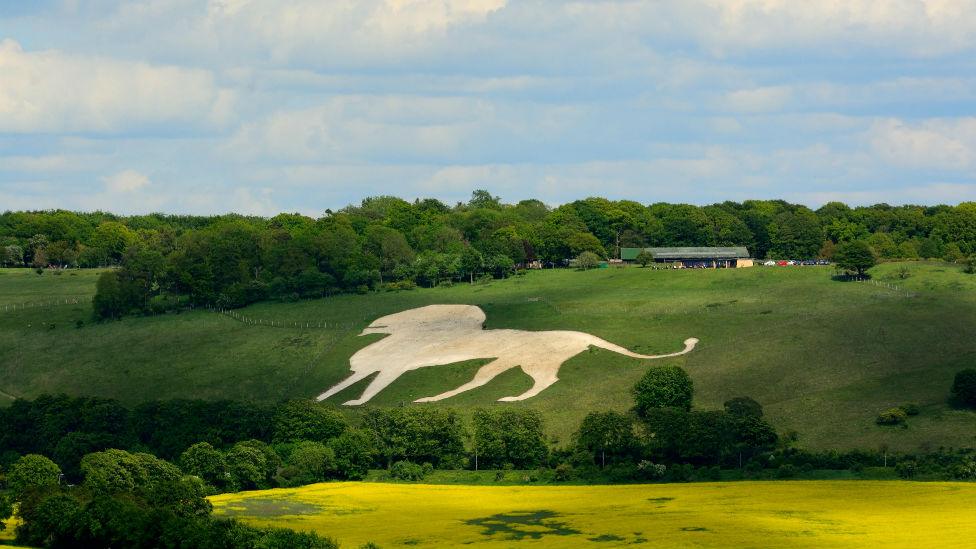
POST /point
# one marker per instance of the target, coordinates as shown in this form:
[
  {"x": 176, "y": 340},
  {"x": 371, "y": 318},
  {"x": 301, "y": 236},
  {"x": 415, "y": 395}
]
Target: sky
[{"x": 264, "y": 106}]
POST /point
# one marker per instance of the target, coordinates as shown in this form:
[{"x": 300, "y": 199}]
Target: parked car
[
  {"x": 782, "y": 263},
  {"x": 770, "y": 263},
  {"x": 823, "y": 262}
]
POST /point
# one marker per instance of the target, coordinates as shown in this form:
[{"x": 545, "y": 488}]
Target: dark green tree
[
  {"x": 607, "y": 436},
  {"x": 663, "y": 387},
  {"x": 855, "y": 257},
  {"x": 963, "y": 392},
  {"x": 31, "y": 473},
  {"x": 644, "y": 258},
  {"x": 306, "y": 420}
]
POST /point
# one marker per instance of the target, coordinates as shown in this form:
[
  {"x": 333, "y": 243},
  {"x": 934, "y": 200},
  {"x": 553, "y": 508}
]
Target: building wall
[{"x": 744, "y": 263}]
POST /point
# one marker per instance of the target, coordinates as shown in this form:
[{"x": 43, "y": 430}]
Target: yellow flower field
[{"x": 800, "y": 514}]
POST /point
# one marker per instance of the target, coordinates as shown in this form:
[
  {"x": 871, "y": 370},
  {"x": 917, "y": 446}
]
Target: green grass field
[
  {"x": 823, "y": 357},
  {"x": 800, "y": 514}
]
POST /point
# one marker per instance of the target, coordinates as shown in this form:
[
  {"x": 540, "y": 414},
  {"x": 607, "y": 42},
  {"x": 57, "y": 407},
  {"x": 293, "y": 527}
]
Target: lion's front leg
[{"x": 484, "y": 374}]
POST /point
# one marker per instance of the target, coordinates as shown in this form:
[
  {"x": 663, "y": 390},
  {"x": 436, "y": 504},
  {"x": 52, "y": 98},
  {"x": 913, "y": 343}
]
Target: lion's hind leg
[
  {"x": 543, "y": 376},
  {"x": 484, "y": 374}
]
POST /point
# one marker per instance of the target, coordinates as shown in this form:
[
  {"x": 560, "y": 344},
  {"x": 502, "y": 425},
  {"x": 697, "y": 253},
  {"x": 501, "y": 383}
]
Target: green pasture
[{"x": 823, "y": 357}]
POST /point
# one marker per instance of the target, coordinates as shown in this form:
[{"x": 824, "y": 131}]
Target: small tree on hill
[
  {"x": 742, "y": 407},
  {"x": 855, "y": 257},
  {"x": 663, "y": 387},
  {"x": 964, "y": 388},
  {"x": 644, "y": 258},
  {"x": 587, "y": 260}
]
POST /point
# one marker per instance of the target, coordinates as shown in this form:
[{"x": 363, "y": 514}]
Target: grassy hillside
[
  {"x": 743, "y": 514},
  {"x": 823, "y": 357}
]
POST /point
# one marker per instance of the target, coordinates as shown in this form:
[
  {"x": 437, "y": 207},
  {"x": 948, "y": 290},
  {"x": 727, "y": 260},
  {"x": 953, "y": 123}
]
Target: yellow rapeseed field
[{"x": 800, "y": 514}]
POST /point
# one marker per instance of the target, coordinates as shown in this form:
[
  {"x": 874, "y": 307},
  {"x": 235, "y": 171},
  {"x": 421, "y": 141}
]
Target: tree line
[{"x": 233, "y": 260}]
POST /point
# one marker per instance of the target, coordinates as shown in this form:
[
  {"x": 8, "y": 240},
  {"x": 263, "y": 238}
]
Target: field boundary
[{"x": 10, "y": 307}]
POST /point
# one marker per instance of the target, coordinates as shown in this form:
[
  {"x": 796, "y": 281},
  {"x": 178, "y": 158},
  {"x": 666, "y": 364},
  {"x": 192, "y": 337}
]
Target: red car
[{"x": 782, "y": 263}]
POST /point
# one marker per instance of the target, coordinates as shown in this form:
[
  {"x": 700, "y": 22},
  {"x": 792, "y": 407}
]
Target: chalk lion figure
[{"x": 438, "y": 335}]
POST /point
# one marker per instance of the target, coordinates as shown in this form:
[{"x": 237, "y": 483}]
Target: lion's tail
[{"x": 603, "y": 344}]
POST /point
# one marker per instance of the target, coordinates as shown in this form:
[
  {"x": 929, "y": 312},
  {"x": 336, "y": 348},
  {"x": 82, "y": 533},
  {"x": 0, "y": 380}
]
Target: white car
[{"x": 770, "y": 263}]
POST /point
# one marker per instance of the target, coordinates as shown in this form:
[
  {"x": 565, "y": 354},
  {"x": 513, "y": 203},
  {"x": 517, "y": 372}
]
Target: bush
[
  {"x": 644, "y": 258},
  {"x": 786, "y": 471},
  {"x": 405, "y": 470},
  {"x": 587, "y": 260},
  {"x": 563, "y": 472},
  {"x": 906, "y": 469},
  {"x": 681, "y": 473},
  {"x": 963, "y": 391},
  {"x": 663, "y": 387},
  {"x": 894, "y": 416},
  {"x": 910, "y": 409}
]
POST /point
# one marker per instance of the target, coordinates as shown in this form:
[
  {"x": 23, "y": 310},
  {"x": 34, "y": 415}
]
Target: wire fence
[
  {"x": 47, "y": 303},
  {"x": 888, "y": 286},
  {"x": 278, "y": 323}
]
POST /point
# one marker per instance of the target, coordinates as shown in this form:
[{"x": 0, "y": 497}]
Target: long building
[{"x": 694, "y": 256}]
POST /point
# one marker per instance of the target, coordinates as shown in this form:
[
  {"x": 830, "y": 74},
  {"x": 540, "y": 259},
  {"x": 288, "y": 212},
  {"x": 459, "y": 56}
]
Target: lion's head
[{"x": 432, "y": 318}]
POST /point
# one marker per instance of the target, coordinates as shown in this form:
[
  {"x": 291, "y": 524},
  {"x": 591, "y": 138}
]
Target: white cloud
[
  {"x": 948, "y": 144},
  {"x": 50, "y": 91},
  {"x": 921, "y": 28},
  {"x": 126, "y": 181},
  {"x": 761, "y": 99}
]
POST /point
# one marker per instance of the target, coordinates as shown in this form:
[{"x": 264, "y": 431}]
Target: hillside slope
[{"x": 823, "y": 357}]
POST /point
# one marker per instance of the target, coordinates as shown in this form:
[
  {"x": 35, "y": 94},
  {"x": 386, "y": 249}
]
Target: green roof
[{"x": 688, "y": 252}]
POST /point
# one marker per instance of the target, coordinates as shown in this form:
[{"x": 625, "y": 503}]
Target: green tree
[
  {"x": 607, "y": 435},
  {"x": 509, "y": 437},
  {"x": 306, "y": 420},
  {"x": 247, "y": 466},
  {"x": 32, "y": 472},
  {"x": 663, "y": 387},
  {"x": 354, "y": 451},
  {"x": 206, "y": 462},
  {"x": 743, "y": 407},
  {"x": 308, "y": 462},
  {"x": 963, "y": 391},
  {"x": 6, "y": 510},
  {"x": 587, "y": 260},
  {"x": 644, "y": 258},
  {"x": 855, "y": 257},
  {"x": 472, "y": 262}
]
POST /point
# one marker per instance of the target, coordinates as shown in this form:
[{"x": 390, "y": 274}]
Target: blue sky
[{"x": 261, "y": 106}]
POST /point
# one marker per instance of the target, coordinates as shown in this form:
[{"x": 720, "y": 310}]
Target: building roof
[{"x": 689, "y": 252}]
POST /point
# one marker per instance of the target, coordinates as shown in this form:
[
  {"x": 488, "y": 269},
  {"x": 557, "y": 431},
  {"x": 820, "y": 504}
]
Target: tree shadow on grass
[{"x": 519, "y": 525}]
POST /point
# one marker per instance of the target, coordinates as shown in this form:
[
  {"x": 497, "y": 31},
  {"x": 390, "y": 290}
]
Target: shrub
[
  {"x": 587, "y": 260},
  {"x": 405, "y": 470},
  {"x": 894, "y": 416},
  {"x": 964, "y": 471},
  {"x": 663, "y": 387},
  {"x": 681, "y": 473},
  {"x": 906, "y": 469},
  {"x": 786, "y": 471},
  {"x": 964, "y": 388},
  {"x": 713, "y": 473},
  {"x": 910, "y": 409},
  {"x": 753, "y": 467},
  {"x": 743, "y": 407},
  {"x": 564, "y": 471},
  {"x": 644, "y": 258}
]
